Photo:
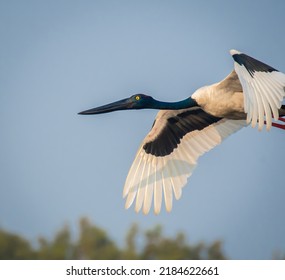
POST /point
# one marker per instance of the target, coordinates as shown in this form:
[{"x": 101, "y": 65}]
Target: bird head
[{"x": 136, "y": 101}]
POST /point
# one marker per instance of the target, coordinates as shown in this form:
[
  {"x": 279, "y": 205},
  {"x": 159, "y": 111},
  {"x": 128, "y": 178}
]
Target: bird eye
[{"x": 138, "y": 97}]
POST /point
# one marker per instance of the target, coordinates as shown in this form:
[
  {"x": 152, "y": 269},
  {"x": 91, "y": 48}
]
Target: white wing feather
[
  {"x": 152, "y": 178},
  {"x": 263, "y": 94}
]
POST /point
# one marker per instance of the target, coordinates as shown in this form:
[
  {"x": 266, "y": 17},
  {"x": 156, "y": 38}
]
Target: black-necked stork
[{"x": 182, "y": 131}]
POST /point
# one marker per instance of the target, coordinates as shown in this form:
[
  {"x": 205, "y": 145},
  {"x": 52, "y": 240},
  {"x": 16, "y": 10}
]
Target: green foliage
[
  {"x": 161, "y": 248},
  {"x": 130, "y": 252},
  {"x": 214, "y": 251},
  {"x": 94, "y": 243},
  {"x": 13, "y": 247},
  {"x": 59, "y": 248}
]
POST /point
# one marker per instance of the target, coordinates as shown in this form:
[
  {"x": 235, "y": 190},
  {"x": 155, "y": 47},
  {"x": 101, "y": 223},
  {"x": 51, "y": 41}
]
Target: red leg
[{"x": 278, "y": 125}]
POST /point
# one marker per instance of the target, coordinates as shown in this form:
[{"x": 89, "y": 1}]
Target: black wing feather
[
  {"x": 176, "y": 128},
  {"x": 251, "y": 64}
]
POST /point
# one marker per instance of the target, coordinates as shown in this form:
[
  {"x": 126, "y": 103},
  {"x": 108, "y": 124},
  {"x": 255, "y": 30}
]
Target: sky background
[{"x": 58, "y": 58}]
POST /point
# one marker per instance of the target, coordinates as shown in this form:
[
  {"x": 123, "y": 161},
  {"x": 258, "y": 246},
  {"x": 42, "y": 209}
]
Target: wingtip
[
  {"x": 156, "y": 211},
  {"x": 233, "y": 52},
  {"x": 145, "y": 211},
  {"x": 168, "y": 210}
]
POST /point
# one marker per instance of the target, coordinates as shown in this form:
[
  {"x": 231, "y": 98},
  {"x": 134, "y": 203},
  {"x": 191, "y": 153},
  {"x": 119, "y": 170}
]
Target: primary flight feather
[{"x": 183, "y": 131}]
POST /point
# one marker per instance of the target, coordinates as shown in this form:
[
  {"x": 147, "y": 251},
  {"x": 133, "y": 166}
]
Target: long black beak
[{"x": 123, "y": 104}]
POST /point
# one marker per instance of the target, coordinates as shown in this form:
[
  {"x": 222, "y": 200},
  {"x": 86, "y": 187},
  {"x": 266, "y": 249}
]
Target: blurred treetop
[{"x": 95, "y": 243}]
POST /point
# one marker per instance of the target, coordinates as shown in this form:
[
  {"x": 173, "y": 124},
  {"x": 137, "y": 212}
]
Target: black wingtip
[{"x": 251, "y": 64}]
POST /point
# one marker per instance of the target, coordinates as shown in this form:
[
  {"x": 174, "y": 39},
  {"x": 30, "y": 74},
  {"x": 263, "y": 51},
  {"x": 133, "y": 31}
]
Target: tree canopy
[{"x": 94, "y": 243}]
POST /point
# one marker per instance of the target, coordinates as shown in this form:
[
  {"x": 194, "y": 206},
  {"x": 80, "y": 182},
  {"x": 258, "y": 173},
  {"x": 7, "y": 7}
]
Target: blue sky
[{"x": 62, "y": 57}]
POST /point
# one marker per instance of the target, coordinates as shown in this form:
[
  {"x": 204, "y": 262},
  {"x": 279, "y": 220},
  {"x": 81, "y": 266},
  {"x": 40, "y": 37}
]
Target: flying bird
[{"x": 183, "y": 131}]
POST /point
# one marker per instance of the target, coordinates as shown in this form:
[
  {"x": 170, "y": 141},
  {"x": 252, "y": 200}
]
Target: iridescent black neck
[{"x": 183, "y": 104}]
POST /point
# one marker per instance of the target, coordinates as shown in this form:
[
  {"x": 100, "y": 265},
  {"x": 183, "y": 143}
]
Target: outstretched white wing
[
  {"x": 169, "y": 154},
  {"x": 263, "y": 89}
]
